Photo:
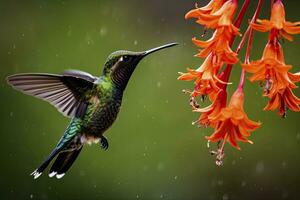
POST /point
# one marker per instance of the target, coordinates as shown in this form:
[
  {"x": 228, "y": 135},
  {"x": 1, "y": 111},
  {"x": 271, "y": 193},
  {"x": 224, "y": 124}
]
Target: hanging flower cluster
[
  {"x": 271, "y": 68},
  {"x": 229, "y": 120}
]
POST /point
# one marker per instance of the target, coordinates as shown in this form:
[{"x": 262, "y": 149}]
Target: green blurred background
[{"x": 155, "y": 152}]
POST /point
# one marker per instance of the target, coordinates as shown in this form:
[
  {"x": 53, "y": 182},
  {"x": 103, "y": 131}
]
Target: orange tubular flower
[
  {"x": 222, "y": 17},
  {"x": 270, "y": 66},
  {"x": 232, "y": 123},
  {"x": 219, "y": 44},
  {"x": 206, "y": 80},
  {"x": 229, "y": 121},
  {"x": 279, "y": 81},
  {"x": 278, "y": 23},
  {"x": 212, "y": 110},
  {"x": 282, "y": 99},
  {"x": 295, "y": 78},
  {"x": 210, "y": 8}
]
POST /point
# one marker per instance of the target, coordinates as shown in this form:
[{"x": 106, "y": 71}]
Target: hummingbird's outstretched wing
[{"x": 67, "y": 92}]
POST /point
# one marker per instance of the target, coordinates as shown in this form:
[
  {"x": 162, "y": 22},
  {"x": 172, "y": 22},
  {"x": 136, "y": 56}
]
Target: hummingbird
[{"x": 92, "y": 103}]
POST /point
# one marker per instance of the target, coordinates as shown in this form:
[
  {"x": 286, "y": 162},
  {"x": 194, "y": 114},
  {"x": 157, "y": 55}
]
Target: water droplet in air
[
  {"x": 103, "y": 31},
  {"x": 160, "y": 166},
  {"x": 158, "y": 84},
  {"x": 260, "y": 167},
  {"x": 298, "y": 136},
  {"x": 283, "y": 164},
  {"x": 225, "y": 197},
  {"x": 243, "y": 184},
  {"x": 220, "y": 182}
]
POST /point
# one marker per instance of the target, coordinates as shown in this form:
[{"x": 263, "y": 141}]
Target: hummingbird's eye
[{"x": 124, "y": 58}]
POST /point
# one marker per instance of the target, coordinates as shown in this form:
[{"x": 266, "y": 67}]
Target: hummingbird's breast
[{"x": 103, "y": 112}]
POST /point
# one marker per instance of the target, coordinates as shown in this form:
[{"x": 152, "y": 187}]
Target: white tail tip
[
  {"x": 59, "y": 176},
  {"x": 52, "y": 174},
  {"x": 36, "y": 174}
]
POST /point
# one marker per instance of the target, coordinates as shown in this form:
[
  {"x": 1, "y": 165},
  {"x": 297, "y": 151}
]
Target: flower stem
[
  {"x": 226, "y": 73},
  {"x": 250, "y": 39},
  {"x": 240, "y": 16}
]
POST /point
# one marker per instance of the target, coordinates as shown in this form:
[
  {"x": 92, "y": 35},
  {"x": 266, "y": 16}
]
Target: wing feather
[{"x": 66, "y": 92}]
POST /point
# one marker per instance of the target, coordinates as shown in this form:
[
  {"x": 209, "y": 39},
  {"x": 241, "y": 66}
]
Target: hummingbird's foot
[{"x": 104, "y": 143}]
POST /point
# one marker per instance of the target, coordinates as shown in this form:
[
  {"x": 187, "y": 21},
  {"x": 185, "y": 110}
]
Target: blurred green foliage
[{"x": 155, "y": 152}]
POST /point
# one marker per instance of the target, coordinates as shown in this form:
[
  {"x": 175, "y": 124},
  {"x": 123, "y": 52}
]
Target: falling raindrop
[
  {"x": 69, "y": 33},
  {"x": 145, "y": 168},
  {"x": 260, "y": 167},
  {"x": 283, "y": 164},
  {"x": 103, "y": 31},
  {"x": 220, "y": 182},
  {"x": 160, "y": 166},
  {"x": 243, "y": 184},
  {"x": 298, "y": 136},
  {"x": 158, "y": 84},
  {"x": 225, "y": 197},
  {"x": 82, "y": 173}
]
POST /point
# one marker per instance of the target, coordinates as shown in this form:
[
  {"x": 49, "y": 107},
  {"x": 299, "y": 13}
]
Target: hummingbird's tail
[
  {"x": 63, "y": 162},
  {"x": 36, "y": 173},
  {"x": 67, "y": 150}
]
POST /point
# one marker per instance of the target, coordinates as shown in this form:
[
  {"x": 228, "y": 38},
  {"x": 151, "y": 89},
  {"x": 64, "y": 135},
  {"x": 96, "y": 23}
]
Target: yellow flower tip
[
  {"x": 181, "y": 78},
  {"x": 186, "y": 76},
  {"x": 225, "y": 83},
  {"x": 187, "y": 15},
  {"x": 220, "y": 81},
  {"x": 191, "y": 14},
  {"x": 180, "y": 75},
  {"x": 258, "y": 20},
  {"x": 250, "y": 142},
  {"x": 237, "y": 147},
  {"x": 207, "y": 138}
]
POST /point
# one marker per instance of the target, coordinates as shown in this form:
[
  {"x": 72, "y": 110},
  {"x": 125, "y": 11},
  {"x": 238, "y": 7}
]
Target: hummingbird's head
[{"x": 121, "y": 64}]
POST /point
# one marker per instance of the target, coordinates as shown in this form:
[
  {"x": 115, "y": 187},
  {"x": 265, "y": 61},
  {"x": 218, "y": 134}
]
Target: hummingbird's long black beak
[{"x": 145, "y": 53}]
